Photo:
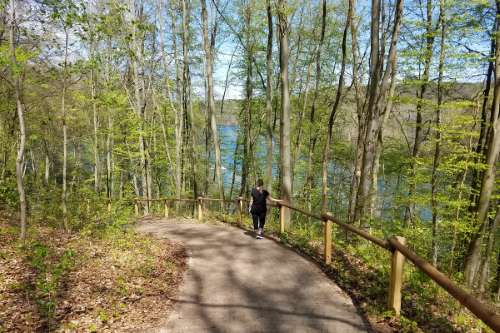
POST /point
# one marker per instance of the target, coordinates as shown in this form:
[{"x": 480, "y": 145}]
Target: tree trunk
[
  {"x": 485, "y": 271},
  {"x": 285, "y": 128},
  {"x": 93, "y": 82},
  {"x": 472, "y": 259},
  {"x": 269, "y": 96},
  {"x": 437, "y": 136},
  {"x": 247, "y": 117},
  {"x": 65, "y": 132},
  {"x": 47, "y": 170},
  {"x": 312, "y": 117},
  {"x": 20, "y": 116},
  {"x": 209, "y": 45},
  {"x": 336, "y": 105},
  {"x": 186, "y": 92},
  {"x": 481, "y": 143},
  {"x": 140, "y": 100},
  {"x": 358, "y": 157},
  {"x": 179, "y": 112},
  {"x": 429, "y": 48},
  {"x": 109, "y": 159},
  {"x": 377, "y": 93}
]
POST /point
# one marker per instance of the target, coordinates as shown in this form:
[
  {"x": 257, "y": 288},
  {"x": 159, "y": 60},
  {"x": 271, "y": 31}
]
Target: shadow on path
[{"x": 236, "y": 283}]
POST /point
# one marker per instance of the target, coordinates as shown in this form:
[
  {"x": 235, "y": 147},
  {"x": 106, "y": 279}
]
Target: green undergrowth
[
  {"x": 100, "y": 277},
  {"x": 362, "y": 270}
]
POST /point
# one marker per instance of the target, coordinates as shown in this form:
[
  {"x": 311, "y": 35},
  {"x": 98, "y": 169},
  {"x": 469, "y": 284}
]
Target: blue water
[{"x": 228, "y": 139}]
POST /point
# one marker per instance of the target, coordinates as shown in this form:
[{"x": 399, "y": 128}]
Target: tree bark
[
  {"x": 429, "y": 48},
  {"x": 269, "y": 96},
  {"x": 377, "y": 95},
  {"x": 437, "y": 135},
  {"x": 20, "y": 116},
  {"x": 140, "y": 98},
  {"x": 179, "y": 112},
  {"x": 485, "y": 270},
  {"x": 472, "y": 259},
  {"x": 358, "y": 157},
  {"x": 93, "y": 82},
  {"x": 65, "y": 132},
  {"x": 186, "y": 93},
  {"x": 247, "y": 117},
  {"x": 285, "y": 127},
  {"x": 209, "y": 45},
  {"x": 336, "y": 104},
  {"x": 312, "y": 117}
]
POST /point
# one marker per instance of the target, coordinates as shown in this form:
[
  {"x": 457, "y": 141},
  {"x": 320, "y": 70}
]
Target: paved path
[{"x": 236, "y": 283}]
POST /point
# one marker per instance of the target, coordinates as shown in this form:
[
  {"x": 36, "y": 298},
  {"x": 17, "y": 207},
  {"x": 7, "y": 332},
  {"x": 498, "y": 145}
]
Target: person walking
[{"x": 258, "y": 208}]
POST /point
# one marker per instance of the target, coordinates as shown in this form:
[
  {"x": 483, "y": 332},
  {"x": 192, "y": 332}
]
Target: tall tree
[
  {"x": 336, "y": 103},
  {"x": 209, "y": 46},
  {"x": 424, "y": 82},
  {"x": 314, "y": 106},
  {"x": 376, "y": 99},
  {"x": 473, "y": 257},
  {"x": 437, "y": 133},
  {"x": 285, "y": 128},
  {"x": 16, "y": 73},
  {"x": 269, "y": 95}
]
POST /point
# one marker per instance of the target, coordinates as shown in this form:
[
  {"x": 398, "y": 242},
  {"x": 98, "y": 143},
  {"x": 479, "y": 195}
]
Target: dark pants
[{"x": 259, "y": 219}]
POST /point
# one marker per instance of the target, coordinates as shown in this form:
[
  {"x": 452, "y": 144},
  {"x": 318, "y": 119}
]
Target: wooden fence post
[
  {"x": 328, "y": 226},
  {"x": 136, "y": 206},
  {"x": 200, "y": 209},
  {"x": 282, "y": 218},
  {"x": 166, "y": 208},
  {"x": 397, "y": 262},
  {"x": 240, "y": 204}
]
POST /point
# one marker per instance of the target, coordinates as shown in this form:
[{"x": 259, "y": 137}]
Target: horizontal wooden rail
[
  {"x": 382, "y": 243},
  {"x": 482, "y": 311},
  {"x": 167, "y": 199},
  {"x": 394, "y": 244}
]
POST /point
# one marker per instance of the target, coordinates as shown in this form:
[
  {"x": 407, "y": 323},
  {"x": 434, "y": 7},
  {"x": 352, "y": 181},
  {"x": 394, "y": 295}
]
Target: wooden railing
[{"x": 396, "y": 245}]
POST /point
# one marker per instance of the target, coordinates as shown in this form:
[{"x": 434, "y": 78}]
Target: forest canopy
[{"x": 383, "y": 112}]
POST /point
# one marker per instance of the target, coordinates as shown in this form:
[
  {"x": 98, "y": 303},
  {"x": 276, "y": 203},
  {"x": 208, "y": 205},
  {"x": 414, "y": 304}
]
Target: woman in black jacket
[{"x": 258, "y": 208}]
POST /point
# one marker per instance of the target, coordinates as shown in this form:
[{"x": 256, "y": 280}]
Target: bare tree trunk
[
  {"x": 186, "y": 93},
  {"x": 95, "y": 120},
  {"x": 485, "y": 271},
  {"x": 429, "y": 48},
  {"x": 269, "y": 95},
  {"x": 140, "y": 101},
  {"x": 437, "y": 135},
  {"x": 209, "y": 49},
  {"x": 109, "y": 159},
  {"x": 358, "y": 158},
  {"x": 377, "y": 94},
  {"x": 179, "y": 112},
  {"x": 298, "y": 138},
  {"x": 285, "y": 128},
  {"x": 65, "y": 132},
  {"x": 20, "y": 116},
  {"x": 312, "y": 117},
  {"x": 472, "y": 259},
  {"x": 247, "y": 117},
  {"x": 483, "y": 133},
  {"x": 47, "y": 169},
  {"x": 338, "y": 97}
]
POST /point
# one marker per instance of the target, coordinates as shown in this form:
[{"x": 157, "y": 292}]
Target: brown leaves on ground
[
  {"x": 119, "y": 282},
  {"x": 18, "y": 313}
]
